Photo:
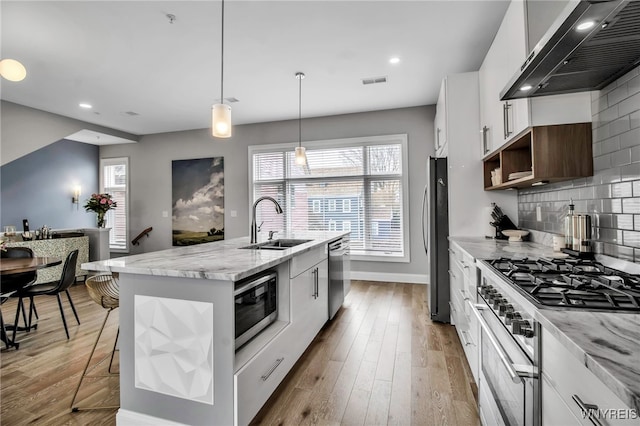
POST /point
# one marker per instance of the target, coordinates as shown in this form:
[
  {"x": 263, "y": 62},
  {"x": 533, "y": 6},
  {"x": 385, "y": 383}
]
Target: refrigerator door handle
[{"x": 425, "y": 236}]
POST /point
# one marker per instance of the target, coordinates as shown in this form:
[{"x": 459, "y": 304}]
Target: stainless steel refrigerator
[{"x": 435, "y": 233}]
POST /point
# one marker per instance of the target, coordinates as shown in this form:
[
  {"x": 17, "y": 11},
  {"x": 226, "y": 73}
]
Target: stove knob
[
  {"x": 528, "y": 332},
  {"x": 519, "y": 326},
  {"x": 504, "y": 308},
  {"x": 499, "y": 301},
  {"x": 494, "y": 296},
  {"x": 510, "y": 316}
]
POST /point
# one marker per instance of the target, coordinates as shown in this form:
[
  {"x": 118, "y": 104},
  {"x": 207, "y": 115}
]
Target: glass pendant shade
[
  {"x": 221, "y": 121},
  {"x": 301, "y": 156},
  {"x": 12, "y": 70}
]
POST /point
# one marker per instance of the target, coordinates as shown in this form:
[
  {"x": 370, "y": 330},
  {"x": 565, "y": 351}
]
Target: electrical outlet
[
  {"x": 234, "y": 213},
  {"x": 538, "y": 213},
  {"x": 165, "y": 213}
]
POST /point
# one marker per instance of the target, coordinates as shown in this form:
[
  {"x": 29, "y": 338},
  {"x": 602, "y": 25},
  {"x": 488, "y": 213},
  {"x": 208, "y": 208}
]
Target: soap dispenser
[{"x": 568, "y": 226}]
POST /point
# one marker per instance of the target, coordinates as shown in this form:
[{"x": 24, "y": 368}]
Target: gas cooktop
[{"x": 572, "y": 283}]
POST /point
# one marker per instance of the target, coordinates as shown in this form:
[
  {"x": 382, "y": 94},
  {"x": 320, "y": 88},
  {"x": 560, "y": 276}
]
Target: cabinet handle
[
  {"x": 452, "y": 274},
  {"x": 451, "y": 307},
  {"x": 465, "y": 340},
  {"x": 485, "y": 145},
  {"x": 508, "y": 131},
  {"x": 438, "y": 138},
  {"x": 266, "y": 375},
  {"x": 452, "y": 251},
  {"x": 504, "y": 120},
  {"x": 314, "y": 272},
  {"x": 317, "y": 283},
  {"x": 587, "y": 409},
  {"x": 464, "y": 294}
]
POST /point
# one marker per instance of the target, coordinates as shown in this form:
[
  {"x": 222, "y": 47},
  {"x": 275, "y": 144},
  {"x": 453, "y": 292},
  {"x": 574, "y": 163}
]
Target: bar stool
[{"x": 104, "y": 290}]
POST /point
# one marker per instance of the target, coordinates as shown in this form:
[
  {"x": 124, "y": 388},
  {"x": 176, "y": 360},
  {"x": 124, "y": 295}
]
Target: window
[
  {"x": 114, "y": 180},
  {"x": 366, "y": 177}
]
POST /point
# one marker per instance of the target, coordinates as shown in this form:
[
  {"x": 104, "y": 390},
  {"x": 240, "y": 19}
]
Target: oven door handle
[{"x": 516, "y": 372}]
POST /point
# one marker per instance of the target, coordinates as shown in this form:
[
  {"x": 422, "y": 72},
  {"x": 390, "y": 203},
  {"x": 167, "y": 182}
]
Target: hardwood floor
[{"x": 380, "y": 361}]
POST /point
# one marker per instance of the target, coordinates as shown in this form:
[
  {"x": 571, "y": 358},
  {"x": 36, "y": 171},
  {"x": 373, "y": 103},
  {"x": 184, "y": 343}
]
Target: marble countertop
[
  {"x": 608, "y": 344},
  {"x": 221, "y": 260}
]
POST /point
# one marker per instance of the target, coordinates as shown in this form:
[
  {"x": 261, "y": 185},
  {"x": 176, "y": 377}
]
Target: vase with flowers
[{"x": 100, "y": 204}]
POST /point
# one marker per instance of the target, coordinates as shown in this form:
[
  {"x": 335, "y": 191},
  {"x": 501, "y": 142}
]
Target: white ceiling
[{"x": 125, "y": 56}]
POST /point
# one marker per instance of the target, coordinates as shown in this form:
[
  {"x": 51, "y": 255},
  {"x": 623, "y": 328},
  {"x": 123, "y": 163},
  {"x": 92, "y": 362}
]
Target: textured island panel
[
  {"x": 174, "y": 347},
  {"x": 60, "y": 248}
]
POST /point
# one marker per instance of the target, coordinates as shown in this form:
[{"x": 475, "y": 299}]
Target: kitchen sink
[{"x": 280, "y": 244}]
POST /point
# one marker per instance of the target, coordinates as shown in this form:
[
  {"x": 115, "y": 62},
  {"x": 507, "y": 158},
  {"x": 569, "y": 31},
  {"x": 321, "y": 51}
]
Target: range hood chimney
[{"x": 569, "y": 59}]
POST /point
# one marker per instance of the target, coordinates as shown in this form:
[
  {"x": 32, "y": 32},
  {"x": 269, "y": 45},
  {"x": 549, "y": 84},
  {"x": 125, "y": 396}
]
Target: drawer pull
[
  {"x": 465, "y": 340},
  {"x": 587, "y": 410},
  {"x": 464, "y": 294},
  {"x": 266, "y": 375}
]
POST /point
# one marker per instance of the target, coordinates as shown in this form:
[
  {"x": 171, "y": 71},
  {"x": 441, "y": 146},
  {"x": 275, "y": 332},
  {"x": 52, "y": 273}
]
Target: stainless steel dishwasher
[{"x": 339, "y": 281}]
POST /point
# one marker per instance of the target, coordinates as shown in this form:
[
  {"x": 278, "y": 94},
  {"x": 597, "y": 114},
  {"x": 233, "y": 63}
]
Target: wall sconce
[{"x": 76, "y": 196}]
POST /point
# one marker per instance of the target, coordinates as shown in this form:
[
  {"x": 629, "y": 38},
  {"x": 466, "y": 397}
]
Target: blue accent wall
[{"x": 39, "y": 186}]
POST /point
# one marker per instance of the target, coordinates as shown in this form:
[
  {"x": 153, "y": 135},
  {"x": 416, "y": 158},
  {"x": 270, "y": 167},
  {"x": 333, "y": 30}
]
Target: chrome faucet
[{"x": 254, "y": 227}]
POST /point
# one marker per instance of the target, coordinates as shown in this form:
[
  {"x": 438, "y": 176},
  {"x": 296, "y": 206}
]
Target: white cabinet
[
  {"x": 463, "y": 282},
  {"x": 565, "y": 376},
  {"x": 308, "y": 306},
  {"x": 500, "y": 120},
  {"x": 440, "y": 123},
  {"x": 310, "y": 302}
]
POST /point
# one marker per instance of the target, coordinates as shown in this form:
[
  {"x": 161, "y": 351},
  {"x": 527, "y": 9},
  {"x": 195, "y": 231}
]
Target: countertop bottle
[{"x": 568, "y": 226}]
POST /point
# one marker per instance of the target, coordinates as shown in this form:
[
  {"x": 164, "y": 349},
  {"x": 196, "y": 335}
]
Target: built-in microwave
[{"x": 256, "y": 305}]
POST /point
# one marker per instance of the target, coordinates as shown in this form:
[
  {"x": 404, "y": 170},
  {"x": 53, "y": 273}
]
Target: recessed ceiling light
[
  {"x": 585, "y": 25},
  {"x": 85, "y": 105},
  {"x": 394, "y": 60},
  {"x": 526, "y": 87}
]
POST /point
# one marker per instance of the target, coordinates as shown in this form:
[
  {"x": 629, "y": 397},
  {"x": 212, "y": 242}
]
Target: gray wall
[
  {"x": 150, "y": 164},
  {"x": 39, "y": 186},
  {"x": 612, "y": 195}
]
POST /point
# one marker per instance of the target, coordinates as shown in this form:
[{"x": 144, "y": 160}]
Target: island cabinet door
[{"x": 310, "y": 303}]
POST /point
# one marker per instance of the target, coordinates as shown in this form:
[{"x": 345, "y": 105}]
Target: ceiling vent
[
  {"x": 374, "y": 80},
  {"x": 231, "y": 100},
  {"x": 131, "y": 113}
]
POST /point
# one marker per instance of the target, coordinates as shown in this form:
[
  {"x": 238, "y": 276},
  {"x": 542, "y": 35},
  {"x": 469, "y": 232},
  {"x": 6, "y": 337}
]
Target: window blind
[
  {"x": 351, "y": 187},
  {"x": 114, "y": 182}
]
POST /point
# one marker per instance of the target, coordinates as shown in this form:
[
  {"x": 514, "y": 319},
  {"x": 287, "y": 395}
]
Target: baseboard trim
[
  {"x": 390, "y": 277},
  {"x": 127, "y": 417}
]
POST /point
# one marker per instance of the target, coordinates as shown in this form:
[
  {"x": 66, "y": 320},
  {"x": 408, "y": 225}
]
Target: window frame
[
  {"x": 400, "y": 139},
  {"x": 112, "y": 161}
]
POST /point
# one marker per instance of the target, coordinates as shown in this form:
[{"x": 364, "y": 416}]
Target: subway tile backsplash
[{"x": 612, "y": 195}]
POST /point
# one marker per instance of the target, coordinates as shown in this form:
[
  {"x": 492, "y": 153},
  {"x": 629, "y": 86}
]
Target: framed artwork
[{"x": 197, "y": 200}]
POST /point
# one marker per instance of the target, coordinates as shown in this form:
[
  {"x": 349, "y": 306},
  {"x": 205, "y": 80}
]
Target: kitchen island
[
  {"x": 605, "y": 345},
  {"x": 178, "y": 362}
]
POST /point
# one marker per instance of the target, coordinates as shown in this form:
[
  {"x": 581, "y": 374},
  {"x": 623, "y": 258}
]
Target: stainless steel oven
[
  {"x": 256, "y": 306},
  {"x": 509, "y": 389}
]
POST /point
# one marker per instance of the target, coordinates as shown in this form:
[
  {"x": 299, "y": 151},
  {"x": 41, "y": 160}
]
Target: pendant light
[
  {"x": 301, "y": 156},
  {"x": 221, "y": 113}
]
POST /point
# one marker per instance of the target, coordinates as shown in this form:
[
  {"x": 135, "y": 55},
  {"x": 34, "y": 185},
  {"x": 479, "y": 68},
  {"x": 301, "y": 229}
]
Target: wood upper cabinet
[
  {"x": 543, "y": 154},
  {"x": 501, "y": 121}
]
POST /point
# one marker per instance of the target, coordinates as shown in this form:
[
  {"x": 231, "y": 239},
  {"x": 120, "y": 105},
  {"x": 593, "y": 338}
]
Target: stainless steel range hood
[{"x": 568, "y": 60}]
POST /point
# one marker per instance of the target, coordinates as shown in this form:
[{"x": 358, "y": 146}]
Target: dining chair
[
  {"x": 105, "y": 291},
  {"x": 53, "y": 288},
  {"x": 10, "y": 285}
]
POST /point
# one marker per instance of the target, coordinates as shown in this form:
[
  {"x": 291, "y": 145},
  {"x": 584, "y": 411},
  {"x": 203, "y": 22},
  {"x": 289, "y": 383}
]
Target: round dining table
[{"x": 19, "y": 265}]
